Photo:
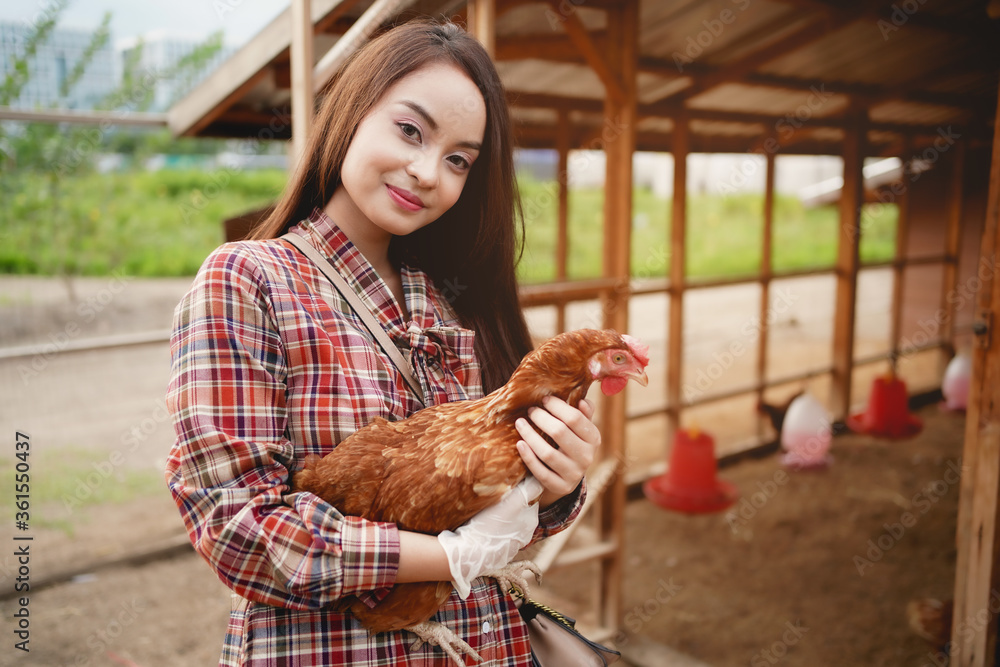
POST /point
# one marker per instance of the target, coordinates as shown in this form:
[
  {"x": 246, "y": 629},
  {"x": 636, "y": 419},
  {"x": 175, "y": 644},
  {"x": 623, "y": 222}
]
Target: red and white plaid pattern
[{"x": 264, "y": 374}]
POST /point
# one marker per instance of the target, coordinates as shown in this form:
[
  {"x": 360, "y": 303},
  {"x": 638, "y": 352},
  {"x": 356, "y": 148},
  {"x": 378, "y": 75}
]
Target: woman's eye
[
  {"x": 409, "y": 130},
  {"x": 459, "y": 161}
]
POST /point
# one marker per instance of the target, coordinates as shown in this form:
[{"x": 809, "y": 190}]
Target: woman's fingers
[
  {"x": 553, "y": 460},
  {"x": 559, "y": 468}
]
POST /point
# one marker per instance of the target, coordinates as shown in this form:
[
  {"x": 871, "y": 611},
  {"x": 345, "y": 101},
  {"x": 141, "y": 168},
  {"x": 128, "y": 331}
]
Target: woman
[{"x": 408, "y": 187}]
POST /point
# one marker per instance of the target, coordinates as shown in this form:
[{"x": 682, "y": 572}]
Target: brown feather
[{"x": 441, "y": 466}]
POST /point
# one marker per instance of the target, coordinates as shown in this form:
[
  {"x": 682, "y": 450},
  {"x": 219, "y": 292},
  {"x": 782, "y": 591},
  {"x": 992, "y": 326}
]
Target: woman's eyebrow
[{"x": 426, "y": 116}]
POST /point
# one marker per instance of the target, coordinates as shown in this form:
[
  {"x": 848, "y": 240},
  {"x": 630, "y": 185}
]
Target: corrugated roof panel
[
  {"x": 915, "y": 113},
  {"x": 805, "y": 104},
  {"x": 653, "y": 87},
  {"x": 534, "y": 116},
  {"x": 541, "y": 19},
  {"x": 767, "y": 32},
  {"x": 664, "y": 125},
  {"x": 938, "y": 68},
  {"x": 882, "y": 137},
  {"x": 953, "y": 7},
  {"x": 698, "y": 31},
  {"x": 831, "y": 134},
  {"x": 981, "y": 82},
  {"x": 724, "y": 129},
  {"x": 542, "y": 76},
  {"x": 858, "y": 53}
]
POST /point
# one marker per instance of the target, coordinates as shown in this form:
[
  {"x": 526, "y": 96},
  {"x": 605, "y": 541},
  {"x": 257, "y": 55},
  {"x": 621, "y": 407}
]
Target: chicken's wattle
[{"x": 613, "y": 384}]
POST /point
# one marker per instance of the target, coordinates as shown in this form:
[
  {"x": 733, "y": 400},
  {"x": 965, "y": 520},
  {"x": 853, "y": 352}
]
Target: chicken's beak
[{"x": 640, "y": 377}]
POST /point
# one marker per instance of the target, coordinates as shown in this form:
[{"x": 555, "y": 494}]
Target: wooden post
[
  {"x": 851, "y": 199},
  {"x": 619, "y": 139},
  {"x": 377, "y": 13},
  {"x": 562, "y": 232},
  {"x": 301, "y": 54},
  {"x": 678, "y": 229},
  {"x": 952, "y": 245},
  {"x": 977, "y": 576},
  {"x": 766, "y": 269},
  {"x": 482, "y": 15},
  {"x": 899, "y": 259}
]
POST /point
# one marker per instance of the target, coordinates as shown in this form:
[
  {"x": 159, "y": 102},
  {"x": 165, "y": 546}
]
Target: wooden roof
[{"x": 741, "y": 70}]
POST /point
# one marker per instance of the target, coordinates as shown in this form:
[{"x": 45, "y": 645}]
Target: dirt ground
[
  {"x": 791, "y": 578},
  {"x": 812, "y": 569},
  {"x": 808, "y": 568}
]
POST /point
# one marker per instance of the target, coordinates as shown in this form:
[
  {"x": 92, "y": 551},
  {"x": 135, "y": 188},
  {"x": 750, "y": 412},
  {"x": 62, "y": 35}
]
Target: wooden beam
[
  {"x": 482, "y": 20},
  {"x": 619, "y": 146},
  {"x": 302, "y": 71},
  {"x": 563, "y": 140},
  {"x": 952, "y": 245},
  {"x": 585, "y": 44},
  {"x": 337, "y": 22},
  {"x": 678, "y": 232},
  {"x": 849, "y": 237},
  {"x": 766, "y": 267},
  {"x": 586, "y": 136},
  {"x": 899, "y": 259},
  {"x": 905, "y": 91},
  {"x": 977, "y": 576},
  {"x": 670, "y": 109},
  {"x": 911, "y": 89},
  {"x": 225, "y": 86},
  {"x": 378, "y": 13},
  {"x": 85, "y": 117}
]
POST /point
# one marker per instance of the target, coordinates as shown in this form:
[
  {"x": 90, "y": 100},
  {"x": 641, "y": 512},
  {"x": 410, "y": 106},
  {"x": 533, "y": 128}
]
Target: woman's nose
[{"x": 423, "y": 168}]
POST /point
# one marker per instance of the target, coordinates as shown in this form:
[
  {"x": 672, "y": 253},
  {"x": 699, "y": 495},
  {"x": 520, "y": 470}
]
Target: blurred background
[{"x": 103, "y": 224}]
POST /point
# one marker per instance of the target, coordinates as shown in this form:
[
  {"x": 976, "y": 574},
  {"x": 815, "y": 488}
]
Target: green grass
[
  {"x": 143, "y": 224},
  {"x": 165, "y": 223},
  {"x": 724, "y": 234}
]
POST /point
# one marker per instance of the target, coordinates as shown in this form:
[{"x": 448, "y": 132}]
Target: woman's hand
[
  {"x": 559, "y": 470},
  {"x": 492, "y": 538}
]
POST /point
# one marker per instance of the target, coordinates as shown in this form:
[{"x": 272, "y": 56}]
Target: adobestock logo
[{"x": 714, "y": 27}]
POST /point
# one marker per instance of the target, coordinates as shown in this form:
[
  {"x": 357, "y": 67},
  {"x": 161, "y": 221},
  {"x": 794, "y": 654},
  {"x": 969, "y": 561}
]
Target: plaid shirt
[{"x": 265, "y": 373}]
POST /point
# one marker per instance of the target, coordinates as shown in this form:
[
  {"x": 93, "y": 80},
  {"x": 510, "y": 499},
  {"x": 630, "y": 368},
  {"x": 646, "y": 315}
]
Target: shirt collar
[{"x": 334, "y": 244}]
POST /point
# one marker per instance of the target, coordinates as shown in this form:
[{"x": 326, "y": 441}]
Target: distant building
[
  {"x": 160, "y": 53},
  {"x": 52, "y": 63},
  {"x": 59, "y": 54}
]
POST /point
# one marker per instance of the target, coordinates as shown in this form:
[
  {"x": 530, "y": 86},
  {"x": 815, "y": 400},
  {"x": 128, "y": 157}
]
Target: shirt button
[{"x": 486, "y": 627}]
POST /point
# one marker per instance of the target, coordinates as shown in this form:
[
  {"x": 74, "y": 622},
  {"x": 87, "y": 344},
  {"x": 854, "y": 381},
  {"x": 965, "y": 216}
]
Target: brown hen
[{"x": 436, "y": 469}]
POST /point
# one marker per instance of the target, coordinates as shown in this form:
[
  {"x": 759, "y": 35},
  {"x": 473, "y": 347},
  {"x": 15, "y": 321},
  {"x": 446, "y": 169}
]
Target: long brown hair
[{"x": 470, "y": 252}]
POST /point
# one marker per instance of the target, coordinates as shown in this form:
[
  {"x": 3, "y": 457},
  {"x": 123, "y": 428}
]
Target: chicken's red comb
[{"x": 639, "y": 349}]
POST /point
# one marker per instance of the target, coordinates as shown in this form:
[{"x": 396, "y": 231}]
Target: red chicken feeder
[
  {"x": 690, "y": 484},
  {"x": 887, "y": 414}
]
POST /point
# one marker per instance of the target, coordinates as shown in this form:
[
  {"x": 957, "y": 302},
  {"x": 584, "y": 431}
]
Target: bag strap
[{"x": 327, "y": 268}]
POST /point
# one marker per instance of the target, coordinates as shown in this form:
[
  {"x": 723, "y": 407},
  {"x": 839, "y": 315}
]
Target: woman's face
[{"x": 411, "y": 155}]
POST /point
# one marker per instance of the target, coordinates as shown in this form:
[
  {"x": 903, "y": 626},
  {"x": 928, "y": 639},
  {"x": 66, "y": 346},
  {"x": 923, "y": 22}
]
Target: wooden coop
[{"x": 764, "y": 79}]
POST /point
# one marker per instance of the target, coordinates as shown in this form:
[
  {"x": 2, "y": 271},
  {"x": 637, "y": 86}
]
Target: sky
[{"x": 194, "y": 19}]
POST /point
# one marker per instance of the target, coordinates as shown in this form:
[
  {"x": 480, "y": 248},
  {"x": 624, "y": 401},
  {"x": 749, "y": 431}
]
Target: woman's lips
[{"x": 407, "y": 200}]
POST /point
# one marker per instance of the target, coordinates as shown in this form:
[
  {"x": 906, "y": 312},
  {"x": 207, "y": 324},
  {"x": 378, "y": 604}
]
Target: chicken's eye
[{"x": 618, "y": 358}]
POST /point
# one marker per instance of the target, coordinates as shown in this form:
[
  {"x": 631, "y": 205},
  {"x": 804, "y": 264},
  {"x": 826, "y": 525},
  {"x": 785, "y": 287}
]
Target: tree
[{"x": 37, "y": 159}]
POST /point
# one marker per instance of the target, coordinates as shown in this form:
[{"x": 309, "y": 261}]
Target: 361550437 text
[{"x": 22, "y": 541}]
